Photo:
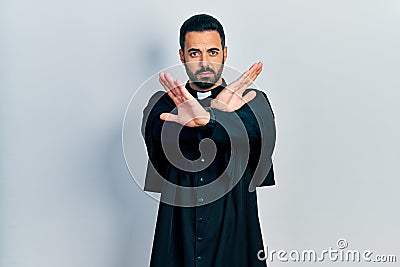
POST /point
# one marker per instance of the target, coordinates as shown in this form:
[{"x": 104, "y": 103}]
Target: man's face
[{"x": 204, "y": 57}]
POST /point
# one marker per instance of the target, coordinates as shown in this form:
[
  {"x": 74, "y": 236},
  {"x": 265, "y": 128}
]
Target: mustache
[{"x": 205, "y": 70}]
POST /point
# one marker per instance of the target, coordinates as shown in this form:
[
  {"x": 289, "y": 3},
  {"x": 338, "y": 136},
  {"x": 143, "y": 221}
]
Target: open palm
[
  {"x": 231, "y": 97},
  {"x": 190, "y": 112}
]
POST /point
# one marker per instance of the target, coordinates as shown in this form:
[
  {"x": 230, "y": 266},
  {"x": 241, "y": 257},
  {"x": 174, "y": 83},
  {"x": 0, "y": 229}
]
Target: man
[{"x": 209, "y": 146}]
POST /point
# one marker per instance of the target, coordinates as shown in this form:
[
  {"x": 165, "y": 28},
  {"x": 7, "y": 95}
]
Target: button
[
  {"x": 199, "y": 239},
  {"x": 202, "y": 160},
  {"x": 198, "y": 258},
  {"x": 200, "y": 219},
  {"x": 201, "y": 179},
  {"x": 201, "y": 199}
]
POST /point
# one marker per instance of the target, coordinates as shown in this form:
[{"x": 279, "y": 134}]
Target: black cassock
[{"x": 208, "y": 226}]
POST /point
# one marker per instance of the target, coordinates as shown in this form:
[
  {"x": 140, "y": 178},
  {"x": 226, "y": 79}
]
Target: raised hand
[
  {"x": 190, "y": 112},
  {"x": 231, "y": 97}
]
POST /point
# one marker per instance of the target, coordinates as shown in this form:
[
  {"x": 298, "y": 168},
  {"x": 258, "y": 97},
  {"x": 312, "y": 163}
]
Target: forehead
[{"x": 205, "y": 39}]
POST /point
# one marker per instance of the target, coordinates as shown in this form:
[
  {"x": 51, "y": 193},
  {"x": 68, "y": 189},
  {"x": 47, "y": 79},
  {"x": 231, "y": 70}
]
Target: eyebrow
[{"x": 198, "y": 50}]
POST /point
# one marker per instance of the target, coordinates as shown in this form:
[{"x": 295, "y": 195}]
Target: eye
[
  {"x": 194, "y": 54},
  {"x": 213, "y": 53}
]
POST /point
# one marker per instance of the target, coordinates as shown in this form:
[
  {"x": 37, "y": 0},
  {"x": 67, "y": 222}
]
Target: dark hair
[{"x": 201, "y": 23}]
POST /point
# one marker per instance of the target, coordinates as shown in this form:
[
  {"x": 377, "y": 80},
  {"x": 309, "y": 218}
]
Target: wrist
[
  {"x": 203, "y": 120},
  {"x": 211, "y": 119},
  {"x": 220, "y": 106}
]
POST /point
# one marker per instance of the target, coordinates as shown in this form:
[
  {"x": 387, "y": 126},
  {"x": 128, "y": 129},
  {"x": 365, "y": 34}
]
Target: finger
[
  {"x": 255, "y": 70},
  {"x": 251, "y": 78},
  {"x": 178, "y": 87},
  {"x": 166, "y": 87},
  {"x": 169, "y": 117},
  {"x": 184, "y": 93},
  {"x": 260, "y": 64},
  {"x": 175, "y": 88},
  {"x": 170, "y": 81},
  {"x": 176, "y": 99},
  {"x": 259, "y": 68},
  {"x": 246, "y": 79},
  {"x": 180, "y": 91},
  {"x": 166, "y": 80},
  {"x": 245, "y": 82},
  {"x": 161, "y": 79},
  {"x": 253, "y": 67},
  {"x": 254, "y": 74},
  {"x": 236, "y": 85},
  {"x": 243, "y": 86},
  {"x": 249, "y": 96},
  {"x": 171, "y": 93}
]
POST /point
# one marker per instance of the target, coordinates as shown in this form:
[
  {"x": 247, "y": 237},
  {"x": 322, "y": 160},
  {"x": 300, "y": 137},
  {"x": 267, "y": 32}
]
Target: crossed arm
[{"x": 192, "y": 114}]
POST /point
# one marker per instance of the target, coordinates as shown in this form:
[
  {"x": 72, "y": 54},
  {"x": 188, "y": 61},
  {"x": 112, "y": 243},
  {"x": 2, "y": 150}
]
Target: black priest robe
[{"x": 218, "y": 225}]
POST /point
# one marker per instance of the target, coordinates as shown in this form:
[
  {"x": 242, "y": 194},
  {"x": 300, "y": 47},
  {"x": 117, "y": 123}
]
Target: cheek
[
  {"x": 192, "y": 63},
  {"x": 217, "y": 64},
  {"x": 218, "y": 60}
]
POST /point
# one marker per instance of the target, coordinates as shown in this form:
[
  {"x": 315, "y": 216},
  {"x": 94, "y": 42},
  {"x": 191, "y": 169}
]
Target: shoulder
[
  {"x": 159, "y": 97},
  {"x": 259, "y": 92},
  {"x": 159, "y": 101},
  {"x": 261, "y": 99}
]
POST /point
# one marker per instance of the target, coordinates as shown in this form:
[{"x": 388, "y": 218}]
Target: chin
[{"x": 204, "y": 84}]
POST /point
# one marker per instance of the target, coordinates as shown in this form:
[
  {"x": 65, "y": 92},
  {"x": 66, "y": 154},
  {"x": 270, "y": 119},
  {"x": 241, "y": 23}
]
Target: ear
[
  {"x": 181, "y": 56},
  {"x": 225, "y": 53}
]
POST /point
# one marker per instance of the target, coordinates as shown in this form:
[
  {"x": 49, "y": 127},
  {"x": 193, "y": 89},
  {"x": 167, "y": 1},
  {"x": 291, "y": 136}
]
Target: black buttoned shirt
[{"x": 218, "y": 225}]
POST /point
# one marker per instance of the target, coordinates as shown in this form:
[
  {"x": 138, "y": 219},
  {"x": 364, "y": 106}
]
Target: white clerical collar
[{"x": 202, "y": 95}]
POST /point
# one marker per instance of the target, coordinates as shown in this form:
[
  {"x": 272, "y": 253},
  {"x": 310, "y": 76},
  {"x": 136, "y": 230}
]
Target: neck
[{"x": 195, "y": 87}]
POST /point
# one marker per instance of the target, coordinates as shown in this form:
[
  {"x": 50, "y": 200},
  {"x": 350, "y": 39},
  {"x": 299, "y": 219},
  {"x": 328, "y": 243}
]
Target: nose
[{"x": 204, "y": 60}]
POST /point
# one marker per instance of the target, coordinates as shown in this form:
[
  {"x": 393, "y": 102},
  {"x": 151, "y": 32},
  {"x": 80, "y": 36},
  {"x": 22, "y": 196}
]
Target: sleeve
[
  {"x": 224, "y": 127},
  {"x": 262, "y": 162},
  {"x": 255, "y": 121},
  {"x": 151, "y": 124}
]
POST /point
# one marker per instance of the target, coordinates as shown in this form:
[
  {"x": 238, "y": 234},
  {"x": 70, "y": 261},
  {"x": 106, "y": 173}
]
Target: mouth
[{"x": 205, "y": 73}]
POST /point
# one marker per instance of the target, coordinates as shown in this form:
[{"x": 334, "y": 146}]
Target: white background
[{"x": 69, "y": 69}]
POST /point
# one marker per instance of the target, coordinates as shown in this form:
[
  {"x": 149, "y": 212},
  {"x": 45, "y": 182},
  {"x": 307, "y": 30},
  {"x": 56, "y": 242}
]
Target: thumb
[
  {"x": 249, "y": 96},
  {"x": 169, "y": 117}
]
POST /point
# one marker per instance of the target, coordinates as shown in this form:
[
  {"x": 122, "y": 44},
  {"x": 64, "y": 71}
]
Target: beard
[{"x": 205, "y": 82}]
